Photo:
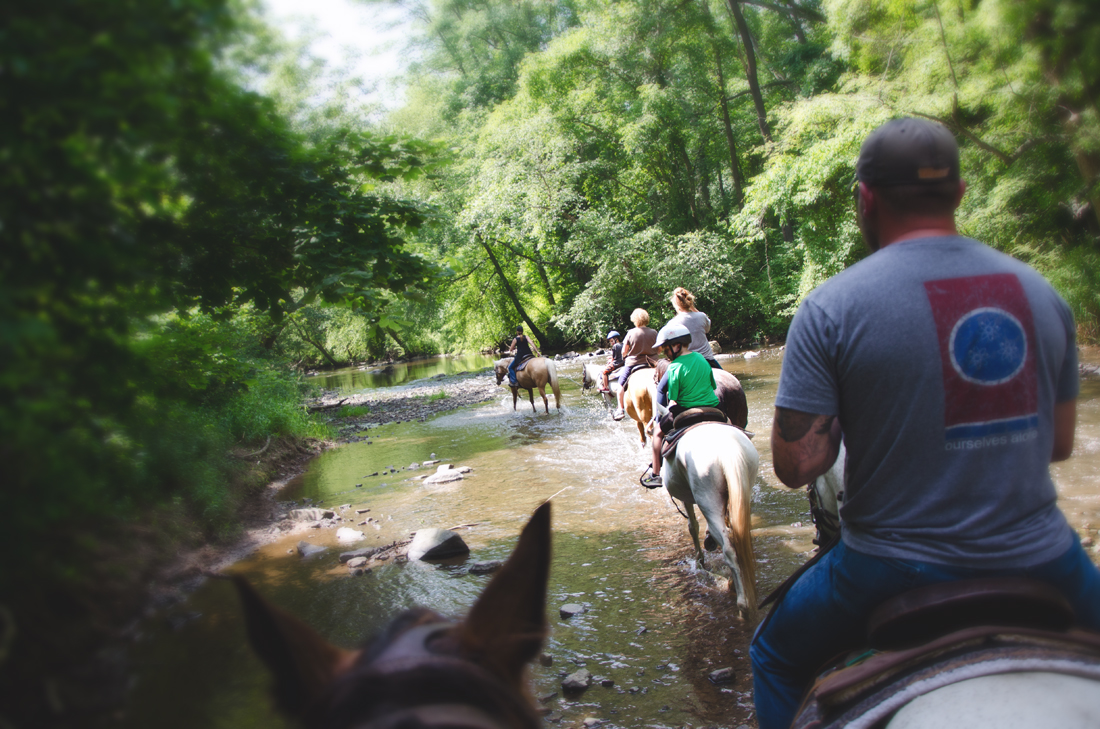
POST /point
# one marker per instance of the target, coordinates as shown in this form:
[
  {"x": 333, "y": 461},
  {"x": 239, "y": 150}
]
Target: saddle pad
[
  {"x": 865, "y": 694},
  {"x": 523, "y": 363},
  {"x": 669, "y": 447}
]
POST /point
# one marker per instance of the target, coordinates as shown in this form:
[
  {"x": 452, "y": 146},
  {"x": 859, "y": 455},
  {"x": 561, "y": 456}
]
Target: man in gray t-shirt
[{"x": 951, "y": 370}]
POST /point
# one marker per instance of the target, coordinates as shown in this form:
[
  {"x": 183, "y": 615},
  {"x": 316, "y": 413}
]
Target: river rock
[
  {"x": 436, "y": 544},
  {"x": 430, "y": 463},
  {"x": 715, "y": 346},
  {"x": 722, "y": 675},
  {"x": 751, "y": 355},
  {"x": 444, "y": 474},
  {"x": 311, "y": 514},
  {"x": 570, "y": 609},
  {"x": 577, "y": 681},
  {"x": 464, "y": 469},
  {"x": 364, "y": 552},
  {"x": 545, "y": 659},
  {"x": 347, "y": 534},
  {"x": 357, "y": 562},
  {"x": 485, "y": 568},
  {"x": 308, "y": 550}
]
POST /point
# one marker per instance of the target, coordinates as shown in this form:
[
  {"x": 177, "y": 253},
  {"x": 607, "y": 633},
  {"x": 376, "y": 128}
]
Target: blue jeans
[
  {"x": 512, "y": 372},
  {"x": 825, "y": 614}
]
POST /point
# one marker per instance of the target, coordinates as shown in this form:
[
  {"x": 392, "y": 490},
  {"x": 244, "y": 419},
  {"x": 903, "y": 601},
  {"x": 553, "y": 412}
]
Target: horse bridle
[{"x": 482, "y": 701}]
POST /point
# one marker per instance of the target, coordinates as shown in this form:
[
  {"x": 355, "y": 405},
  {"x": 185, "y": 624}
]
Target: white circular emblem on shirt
[{"x": 988, "y": 346}]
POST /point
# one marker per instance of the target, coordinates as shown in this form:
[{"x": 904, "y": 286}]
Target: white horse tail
[
  {"x": 740, "y": 465},
  {"x": 552, "y": 372}
]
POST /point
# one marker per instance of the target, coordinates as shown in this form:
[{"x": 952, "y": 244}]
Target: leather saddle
[
  {"x": 685, "y": 421},
  {"x": 979, "y": 626}
]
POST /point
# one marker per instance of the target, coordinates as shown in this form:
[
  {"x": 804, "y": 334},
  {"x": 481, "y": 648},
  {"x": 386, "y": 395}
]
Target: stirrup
[{"x": 651, "y": 480}]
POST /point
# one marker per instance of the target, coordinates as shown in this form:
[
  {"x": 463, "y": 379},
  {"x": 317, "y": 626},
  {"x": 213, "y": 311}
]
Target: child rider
[
  {"x": 614, "y": 360},
  {"x": 688, "y": 383}
]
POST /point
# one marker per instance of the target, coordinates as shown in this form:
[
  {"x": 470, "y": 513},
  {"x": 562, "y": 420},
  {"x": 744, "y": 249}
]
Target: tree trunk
[
  {"x": 320, "y": 348},
  {"x": 512, "y": 294},
  {"x": 750, "y": 68},
  {"x": 735, "y": 165},
  {"x": 397, "y": 339}
]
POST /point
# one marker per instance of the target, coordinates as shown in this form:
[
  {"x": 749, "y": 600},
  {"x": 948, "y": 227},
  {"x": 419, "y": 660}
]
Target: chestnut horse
[
  {"x": 422, "y": 670},
  {"x": 538, "y": 372}
]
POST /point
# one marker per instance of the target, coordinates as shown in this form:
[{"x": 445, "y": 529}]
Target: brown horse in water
[
  {"x": 422, "y": 670},
  {"x": 538, "y": 372},
  {"x": 641, "y": 394}
]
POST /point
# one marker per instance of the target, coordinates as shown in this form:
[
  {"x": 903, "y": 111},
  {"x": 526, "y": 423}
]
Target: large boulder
[
  {"x": 715, "y": 346},
  {"x": 436, "y": 544}
]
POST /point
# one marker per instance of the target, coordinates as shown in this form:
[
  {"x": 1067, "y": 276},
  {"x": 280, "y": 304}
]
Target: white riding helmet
[
  {"x": 673, "y": 334},
  {"x": 613, "y": 335}
]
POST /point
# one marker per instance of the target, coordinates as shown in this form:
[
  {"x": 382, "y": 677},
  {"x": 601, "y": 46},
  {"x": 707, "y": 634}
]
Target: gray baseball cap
[{"x": 908, "y": 151}]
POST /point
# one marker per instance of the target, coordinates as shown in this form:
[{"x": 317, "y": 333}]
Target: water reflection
[{"x": 360, "y": 378}]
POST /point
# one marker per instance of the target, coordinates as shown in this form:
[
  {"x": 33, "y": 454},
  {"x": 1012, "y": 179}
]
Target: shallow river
[{"x": 653, "y": 625}]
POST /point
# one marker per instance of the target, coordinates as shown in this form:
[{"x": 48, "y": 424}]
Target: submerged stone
[
  {"x": 577, "y": 681},
  {"x": 570, "y": 609},
  {"x": 308, "y": 550}
]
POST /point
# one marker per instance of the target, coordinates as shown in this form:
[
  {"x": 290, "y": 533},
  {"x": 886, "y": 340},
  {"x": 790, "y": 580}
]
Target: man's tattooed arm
[{"x": 804, "y": 445}]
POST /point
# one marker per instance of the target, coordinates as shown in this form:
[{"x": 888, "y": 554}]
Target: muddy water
[{"x": 654, "y": 625}]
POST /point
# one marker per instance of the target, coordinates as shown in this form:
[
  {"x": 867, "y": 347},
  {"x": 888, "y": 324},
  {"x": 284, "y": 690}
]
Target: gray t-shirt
[
  {"x": 698, "y": 324},
  {"x": 942, "y": 359}
]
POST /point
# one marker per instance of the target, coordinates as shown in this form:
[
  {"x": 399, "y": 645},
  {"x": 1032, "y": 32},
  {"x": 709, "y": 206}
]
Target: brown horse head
[{"x": 422, "y": 670}]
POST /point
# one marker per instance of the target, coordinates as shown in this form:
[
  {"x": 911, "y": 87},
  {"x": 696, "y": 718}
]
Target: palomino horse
[
  {"x": 422, "y": 670},
  {"x": 538, "y": 372},
  {"x": 641, "y": 393},
  {"x": 714, "y": 467}
]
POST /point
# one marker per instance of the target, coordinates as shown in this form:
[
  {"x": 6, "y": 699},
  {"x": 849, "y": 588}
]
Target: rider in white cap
[{"x": 688, "y": 383}]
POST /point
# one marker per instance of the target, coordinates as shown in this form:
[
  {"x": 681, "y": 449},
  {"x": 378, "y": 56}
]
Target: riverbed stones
[
  {"x": 313, "y": 514},
  {"x": 570, "y": 609},
  {"x": 722, "y": 675},
  {"x": 347, "y": 534},
  {"x": 430, "y": 463},
  {"x": 577, "y": 681},
  {"x": 436, "y": 544},
  {"x": 545, "y": 659},
  {"x": 356, "y": 562},
  {"x": 444, "y": 474},
  {"x": 309, "y": 550},
  {"x": 364, "y": 552},
  {"x": 485, "y": 568}
]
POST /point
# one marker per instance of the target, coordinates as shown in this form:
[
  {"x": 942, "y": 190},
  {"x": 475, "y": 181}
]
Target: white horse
[
  {"x": 714, "y": 467},
  {"x": 591, "y": 375},
  {"x": 826, "y": 495}
]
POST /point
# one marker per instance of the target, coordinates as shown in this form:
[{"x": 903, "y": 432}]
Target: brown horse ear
[
  {"x": 302, "y": 662},
  {"x": 507, "y": 625}
]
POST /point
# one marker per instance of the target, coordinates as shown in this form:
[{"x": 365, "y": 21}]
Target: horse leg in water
[
  {"x": 531, "y": 396},
  {"x": 693, "y": 530},
  {"x": 515, "y": 397},
  {"x": 545, "y": 401},
  {"x": 422, "y": 670}
]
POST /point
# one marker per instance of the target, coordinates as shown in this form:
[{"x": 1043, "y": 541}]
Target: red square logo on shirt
[{"x": 987, "y": 348}]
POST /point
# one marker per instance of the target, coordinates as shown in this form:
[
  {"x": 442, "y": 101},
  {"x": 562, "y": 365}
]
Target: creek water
[
  {"x": 654, "y": 624},
  {"x": 358, "y": 378}
]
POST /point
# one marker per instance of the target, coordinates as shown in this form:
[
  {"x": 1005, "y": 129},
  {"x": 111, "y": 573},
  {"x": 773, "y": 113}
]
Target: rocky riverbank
[{"x": 350, "y": 413}]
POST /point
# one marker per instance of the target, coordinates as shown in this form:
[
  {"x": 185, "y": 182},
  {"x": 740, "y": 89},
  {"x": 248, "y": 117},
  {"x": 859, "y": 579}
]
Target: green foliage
[
  {"x": 139, "y": 176},
  {"x": 353, "y": 411}
]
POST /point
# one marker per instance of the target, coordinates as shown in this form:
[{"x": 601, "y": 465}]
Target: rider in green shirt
[{"x": 688, "y": 383}]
